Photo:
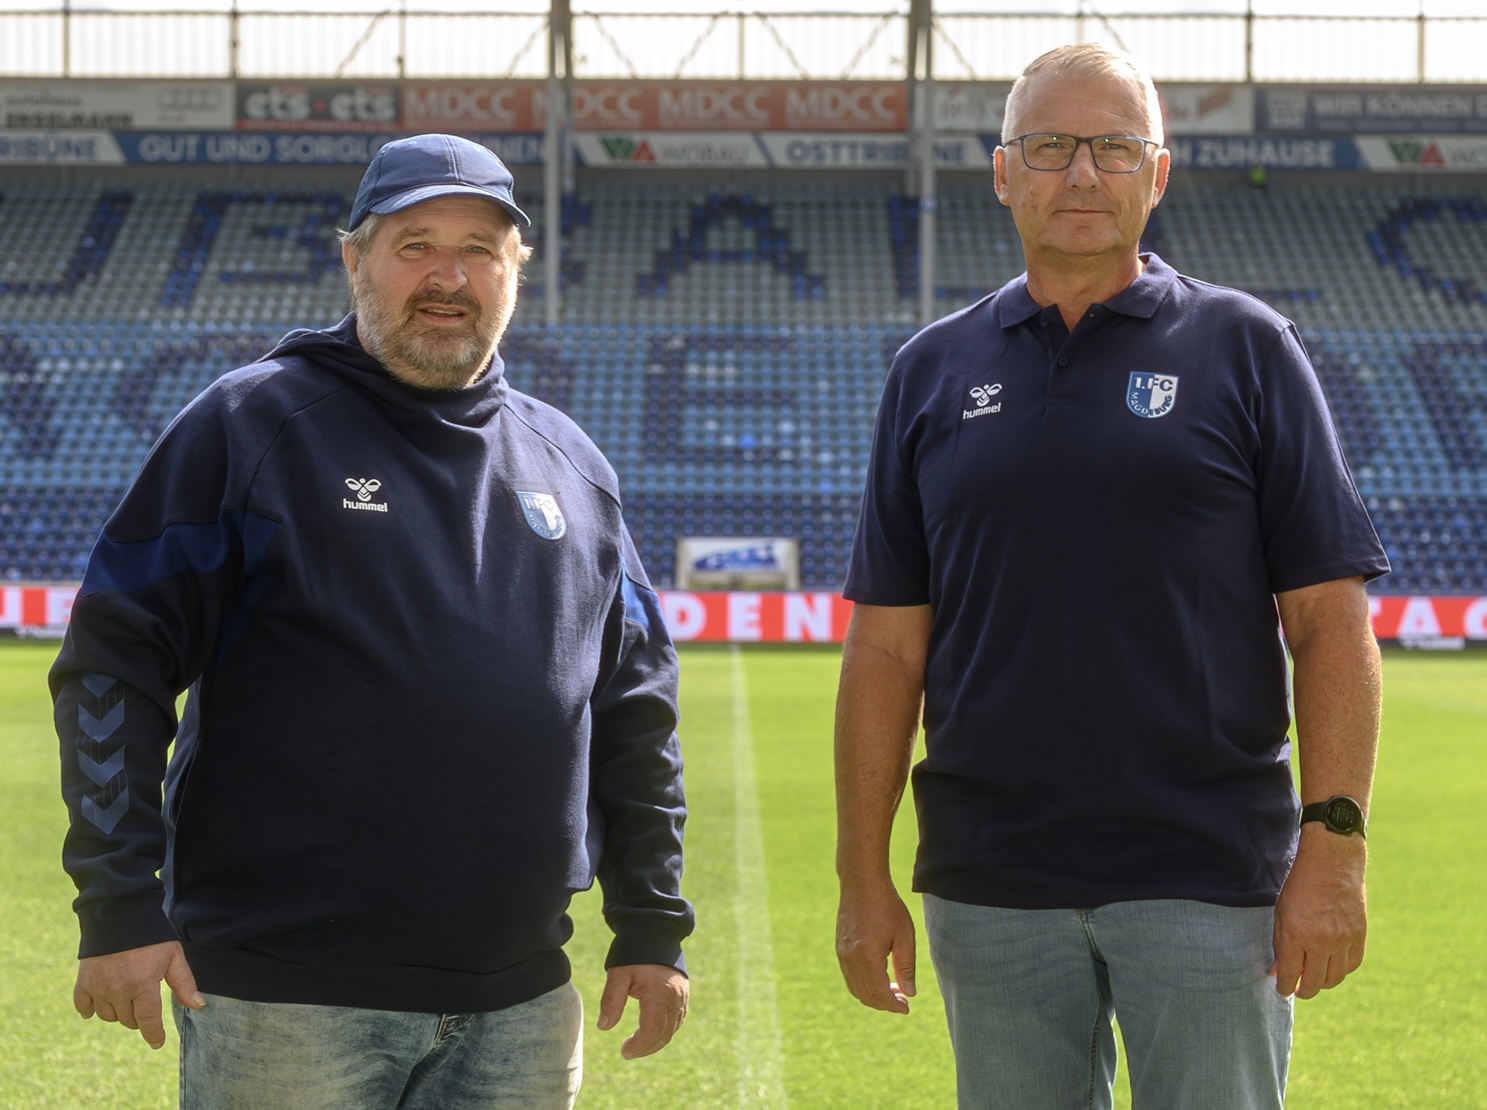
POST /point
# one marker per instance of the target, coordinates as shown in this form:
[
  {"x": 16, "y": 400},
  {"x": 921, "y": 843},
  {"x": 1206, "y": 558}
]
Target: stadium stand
[{"x": 724, "y": 345}]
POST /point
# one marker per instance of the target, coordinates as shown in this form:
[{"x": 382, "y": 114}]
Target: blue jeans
[
  {"x": 1030, "y": 995},
  {"x": 238, "y": 1055}
]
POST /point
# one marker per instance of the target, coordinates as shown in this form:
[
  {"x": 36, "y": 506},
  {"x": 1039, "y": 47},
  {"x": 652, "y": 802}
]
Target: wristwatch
[{"x": 1340, "y": 814}]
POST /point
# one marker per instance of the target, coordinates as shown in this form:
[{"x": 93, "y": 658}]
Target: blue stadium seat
[{"x": 711, "y": 334}]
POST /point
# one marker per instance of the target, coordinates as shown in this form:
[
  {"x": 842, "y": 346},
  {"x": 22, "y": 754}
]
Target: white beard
[{"x": 429, "y": 358}]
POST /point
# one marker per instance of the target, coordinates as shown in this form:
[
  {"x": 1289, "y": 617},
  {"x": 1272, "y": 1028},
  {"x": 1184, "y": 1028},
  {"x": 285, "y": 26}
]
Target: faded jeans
[
  {"x": 1030, "y": 995},
  {"x": 238, "y": 1055}
]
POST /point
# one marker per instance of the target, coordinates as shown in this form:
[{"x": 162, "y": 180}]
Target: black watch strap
[{"x": 1340, "y": 814}]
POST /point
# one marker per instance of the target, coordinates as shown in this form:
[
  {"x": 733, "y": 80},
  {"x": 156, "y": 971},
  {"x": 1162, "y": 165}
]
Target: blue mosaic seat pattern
[{"x": 725, "y": 347}]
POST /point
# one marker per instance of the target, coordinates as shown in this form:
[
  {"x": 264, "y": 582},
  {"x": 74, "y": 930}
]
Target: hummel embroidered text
[
  {"x": 982, "y": 395},
  {"x": 364, "y": 488}
]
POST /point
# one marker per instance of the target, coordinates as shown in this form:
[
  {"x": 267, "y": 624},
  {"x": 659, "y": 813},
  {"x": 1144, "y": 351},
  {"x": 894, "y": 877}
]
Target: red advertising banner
[
  {"x": 321, "y": 106},
  {"x": 821, "y": 618},
  {"x": 765, "y": 618},
  {"x": 28, "y": 610},
  {"x": 474, "y": 106},
  {"x": 1429, "y": 621},
  {"x": 659, "y": 106}
]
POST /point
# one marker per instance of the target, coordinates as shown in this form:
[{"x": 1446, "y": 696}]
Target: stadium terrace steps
[{"x": 725, "y": 346}]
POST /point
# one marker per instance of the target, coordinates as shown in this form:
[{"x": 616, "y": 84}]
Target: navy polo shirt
[{"x": 1100, "y": 520}]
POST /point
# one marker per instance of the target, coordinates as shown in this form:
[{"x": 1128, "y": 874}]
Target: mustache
[{"x": 457, "y": 299}]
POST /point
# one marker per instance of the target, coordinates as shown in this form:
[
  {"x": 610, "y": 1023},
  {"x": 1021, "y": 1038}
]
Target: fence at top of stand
[{"x": 220, "y": 39}]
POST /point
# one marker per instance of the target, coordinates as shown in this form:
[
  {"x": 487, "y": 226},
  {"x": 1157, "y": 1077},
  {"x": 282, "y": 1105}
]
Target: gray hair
[
  {"x": 360, "y": 238},
  {"x": 1088, "y": 60}
]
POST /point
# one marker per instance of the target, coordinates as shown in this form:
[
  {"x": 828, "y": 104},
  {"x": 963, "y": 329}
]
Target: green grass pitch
[{"x": 771, "y": 1025}]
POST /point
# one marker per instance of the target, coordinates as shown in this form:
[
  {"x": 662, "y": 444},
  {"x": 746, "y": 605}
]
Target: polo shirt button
[{"x": 1063, "y": 362}]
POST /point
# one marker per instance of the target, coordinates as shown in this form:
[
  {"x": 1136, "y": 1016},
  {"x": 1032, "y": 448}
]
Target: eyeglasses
[{"x": 1112, "y": 153}]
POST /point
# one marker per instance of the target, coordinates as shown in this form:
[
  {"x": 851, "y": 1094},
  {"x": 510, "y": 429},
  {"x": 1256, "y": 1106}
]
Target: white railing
[{"x": 397, "y": 43}]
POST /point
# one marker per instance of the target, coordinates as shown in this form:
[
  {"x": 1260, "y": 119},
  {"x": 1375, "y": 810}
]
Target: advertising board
[
  {"x": 1418, "y": 621},
  {"x": 1352, "y": 110},
  {"x": 115, "y": 105}
]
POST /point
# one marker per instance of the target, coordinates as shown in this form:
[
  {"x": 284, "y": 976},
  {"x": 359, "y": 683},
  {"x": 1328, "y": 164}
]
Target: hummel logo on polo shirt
[{"x": 982, "y": 395}]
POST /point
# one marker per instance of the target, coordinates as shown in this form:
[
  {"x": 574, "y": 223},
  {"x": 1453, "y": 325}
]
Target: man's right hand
[
  {"x": 877, "y": 723},
  {"x": 125, "y": 987},
  {"x": 872, "y": 925}
]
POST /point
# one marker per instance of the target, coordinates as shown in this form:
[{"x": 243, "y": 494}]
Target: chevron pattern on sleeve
[{"x": 102, "y": 763}]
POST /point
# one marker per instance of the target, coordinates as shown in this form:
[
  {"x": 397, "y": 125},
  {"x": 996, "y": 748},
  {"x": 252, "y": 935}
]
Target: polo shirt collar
[
  {"x": 1141, "y": 298},
  {"x": 1145, "y": 295}
]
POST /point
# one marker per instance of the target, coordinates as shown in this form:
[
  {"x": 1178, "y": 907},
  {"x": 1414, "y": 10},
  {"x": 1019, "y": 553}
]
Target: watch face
[{"x": 1343, "y": 815}]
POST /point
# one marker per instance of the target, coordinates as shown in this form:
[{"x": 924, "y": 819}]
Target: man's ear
[
  {"x": 1164, "y": 168},
  {"x": 999, "y": 173},
  {"x": 350, "y": 258}
]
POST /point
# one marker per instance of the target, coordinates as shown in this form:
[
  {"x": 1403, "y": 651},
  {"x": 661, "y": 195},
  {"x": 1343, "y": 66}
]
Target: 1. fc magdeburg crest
[
  {"x": 1151, "y": 395},
  {"x": 543, "y": 514}
]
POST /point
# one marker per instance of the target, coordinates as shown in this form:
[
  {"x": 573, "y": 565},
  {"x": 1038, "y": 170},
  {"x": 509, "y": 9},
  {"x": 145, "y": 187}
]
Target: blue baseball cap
[{"x": 410, "y": 171}]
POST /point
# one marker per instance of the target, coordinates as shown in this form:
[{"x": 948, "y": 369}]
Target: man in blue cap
[{"x": 431, "y": 697}]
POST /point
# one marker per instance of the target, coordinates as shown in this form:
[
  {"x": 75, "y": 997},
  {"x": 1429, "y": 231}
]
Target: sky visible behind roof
[
  {"x": 1335, "y": 41},
  {"x": 1395, "y": 8}
]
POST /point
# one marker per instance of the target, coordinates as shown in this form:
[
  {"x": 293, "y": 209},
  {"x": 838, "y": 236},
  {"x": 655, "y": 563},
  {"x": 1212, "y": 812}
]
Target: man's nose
[
  {"x": 1082, "y": 170},
  {"x": 449, "y": 270}
]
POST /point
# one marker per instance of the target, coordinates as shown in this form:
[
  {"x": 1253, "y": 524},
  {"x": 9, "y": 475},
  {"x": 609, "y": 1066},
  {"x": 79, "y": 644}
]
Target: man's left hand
[
  {"x": 662, "y": 993},
  {"x": 1321, "y": 919}
]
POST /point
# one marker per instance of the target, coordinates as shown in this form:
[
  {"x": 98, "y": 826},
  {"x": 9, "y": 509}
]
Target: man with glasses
[{"x": 1095, "y": 500}]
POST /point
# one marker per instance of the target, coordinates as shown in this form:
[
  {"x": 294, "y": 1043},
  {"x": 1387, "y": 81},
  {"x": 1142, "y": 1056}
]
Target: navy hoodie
[{"x": 431, "y": 696}]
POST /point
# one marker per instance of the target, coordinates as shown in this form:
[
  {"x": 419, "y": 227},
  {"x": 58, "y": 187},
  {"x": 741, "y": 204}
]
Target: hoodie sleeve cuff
[
  {"x": 636, "y": 945},
  {"x": 116, "y": 925}
]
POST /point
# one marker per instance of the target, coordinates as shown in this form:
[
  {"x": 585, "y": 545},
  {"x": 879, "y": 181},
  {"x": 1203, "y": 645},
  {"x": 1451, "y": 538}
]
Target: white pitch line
[{"x": 761, "y": 1072}]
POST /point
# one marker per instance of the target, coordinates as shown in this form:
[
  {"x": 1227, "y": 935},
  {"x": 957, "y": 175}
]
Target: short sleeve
[
  {"x": 1313, "y": 523},
  {"x": 889, "y": 564}
]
